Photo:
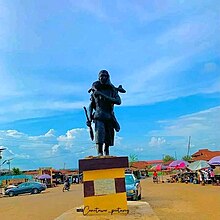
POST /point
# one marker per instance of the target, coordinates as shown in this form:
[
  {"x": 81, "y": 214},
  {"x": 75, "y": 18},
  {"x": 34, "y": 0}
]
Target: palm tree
[
  {"x": 187, "y": 158},
  {"x": 168, "y": 158},
  {"x": 132, "y": 158},
  {"x": 16, "y": 171}
]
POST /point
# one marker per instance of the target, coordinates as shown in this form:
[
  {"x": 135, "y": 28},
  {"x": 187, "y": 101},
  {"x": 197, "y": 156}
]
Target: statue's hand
[
  {"x": 96, "y": 93},
  {"x": 88, "y": 123}
]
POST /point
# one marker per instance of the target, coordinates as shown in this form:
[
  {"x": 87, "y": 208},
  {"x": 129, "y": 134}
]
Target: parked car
[
  {"x": 133, "y": 187},
  {"x": 27, "y": 187},
  {"x": 9, "y": 187}
]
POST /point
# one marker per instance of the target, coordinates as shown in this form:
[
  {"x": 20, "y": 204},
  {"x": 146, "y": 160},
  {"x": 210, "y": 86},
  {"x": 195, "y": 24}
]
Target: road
[
  {"x": 45, "y": 206},
  {"x": 168, "y": 200}
]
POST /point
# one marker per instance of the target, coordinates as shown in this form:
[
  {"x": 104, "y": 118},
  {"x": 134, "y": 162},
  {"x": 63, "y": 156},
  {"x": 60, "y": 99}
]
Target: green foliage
[
  {"x": 168, "y": 158},
  {"x": 149, "y": 167},
  {"x": 132, "y": 158},
  {"x": 186, "y": 157},
  {"x": 16, "y": 171}
]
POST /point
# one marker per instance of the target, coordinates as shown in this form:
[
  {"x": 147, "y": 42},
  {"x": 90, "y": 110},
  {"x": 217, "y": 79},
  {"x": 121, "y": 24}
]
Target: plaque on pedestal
[{"x": 104, "y": 185}]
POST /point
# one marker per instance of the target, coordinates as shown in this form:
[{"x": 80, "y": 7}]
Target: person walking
[{"x": 155, "y": 177}]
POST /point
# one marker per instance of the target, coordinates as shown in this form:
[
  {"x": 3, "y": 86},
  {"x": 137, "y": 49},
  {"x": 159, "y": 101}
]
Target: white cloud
[
  {"x": 46, "y": 149},
  {"x": 14, "y": 133},
  {"x": 139, "y": 149},
  {"x": 72, "y": 134},
  {"x": 50, "y": 133},
  {"x": 193, "y": 32},
  {"x": 55, "y": 148},
  {"x": 202, "y": 126},
  {"x": 156, "y": 141}
]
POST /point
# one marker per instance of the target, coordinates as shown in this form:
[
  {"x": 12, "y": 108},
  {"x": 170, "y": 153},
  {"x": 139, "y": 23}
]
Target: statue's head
[{"x": 104, "y": 77}]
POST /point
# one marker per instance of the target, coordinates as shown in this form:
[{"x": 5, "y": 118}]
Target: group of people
[
  {"x": 203, "y": 177},
  {"x": 206, "y": 176}
]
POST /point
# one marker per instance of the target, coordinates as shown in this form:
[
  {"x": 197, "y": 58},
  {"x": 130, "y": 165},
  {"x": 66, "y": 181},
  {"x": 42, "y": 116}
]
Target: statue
[{"x": 104, "y": 96}]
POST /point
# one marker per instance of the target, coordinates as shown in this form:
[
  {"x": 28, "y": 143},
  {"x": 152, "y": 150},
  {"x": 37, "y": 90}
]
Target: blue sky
[{"x": 165, "y": 53}]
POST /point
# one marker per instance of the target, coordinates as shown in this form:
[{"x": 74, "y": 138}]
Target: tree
[
  {"x": 16, "y": 171},
  {"x": 132, "y": 158},
  {"x": 186, "y": 157},
  {"x": 168, "y": 158}
]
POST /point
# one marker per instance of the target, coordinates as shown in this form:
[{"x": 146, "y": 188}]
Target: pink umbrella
[
  {"x": 178, "y": 164},
  {"x": 160, "y": 167}
]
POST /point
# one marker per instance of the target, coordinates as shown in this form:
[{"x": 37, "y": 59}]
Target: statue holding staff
[{"x": 104, "y": 96}]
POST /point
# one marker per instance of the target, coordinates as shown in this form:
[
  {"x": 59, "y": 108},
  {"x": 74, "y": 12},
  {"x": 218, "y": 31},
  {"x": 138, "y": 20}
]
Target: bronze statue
[{"x": 103, "y": 98}]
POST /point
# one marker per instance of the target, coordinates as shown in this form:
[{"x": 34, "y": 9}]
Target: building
[
  {"x": 205, "y": 154},
  {"x": 145, "y": 164},
  {"x": 140, "y": 168}
]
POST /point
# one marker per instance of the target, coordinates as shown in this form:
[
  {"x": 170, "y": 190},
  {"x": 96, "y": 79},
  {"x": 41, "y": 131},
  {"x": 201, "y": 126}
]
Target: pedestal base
[{"x": 104, "y": 185}]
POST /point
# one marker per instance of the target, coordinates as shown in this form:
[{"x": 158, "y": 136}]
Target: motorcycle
[{"x": 66, "y": 186}]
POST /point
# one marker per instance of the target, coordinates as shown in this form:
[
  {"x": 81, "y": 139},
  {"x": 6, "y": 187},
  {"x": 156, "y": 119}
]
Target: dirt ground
[
  {"x": 168, "y": 201},
  {"x": 183, "y": 201}
]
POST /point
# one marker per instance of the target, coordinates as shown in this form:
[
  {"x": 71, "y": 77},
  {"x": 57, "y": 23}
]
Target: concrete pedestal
[{"x": 104, "y": 185}]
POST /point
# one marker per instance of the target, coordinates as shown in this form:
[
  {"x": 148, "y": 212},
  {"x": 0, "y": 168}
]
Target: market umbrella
[
  {"x": 158, "y": 167},
  {"x": 215, "y": 161},
  {"x": 44, "y": 176},
  {"x": 217, "y": 171},
  {"x": 153, "y": 168},
  {"x": 178, "y": 164},
  {"x": 198, "y": 165}
]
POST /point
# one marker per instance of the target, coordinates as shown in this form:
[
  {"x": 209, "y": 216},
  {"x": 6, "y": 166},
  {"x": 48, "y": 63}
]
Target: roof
[
  {"x": 69, "y": 172},
  {"x": 139, "y": 164},
  {"x": 204, "y": 154},
  {"x": 31, "y": 172},
  {"x": 143, "y": 164}
]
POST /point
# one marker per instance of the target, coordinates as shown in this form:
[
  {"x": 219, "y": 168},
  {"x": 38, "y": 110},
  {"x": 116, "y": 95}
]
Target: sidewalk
[{"x": 137, "y": 210}]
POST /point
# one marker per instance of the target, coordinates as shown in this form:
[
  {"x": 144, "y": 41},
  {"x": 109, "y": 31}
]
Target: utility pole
[
  {"x": 1, "y": 150},
  {"x": 188, "y": 147},
  {"x": 9, "y": 163}
]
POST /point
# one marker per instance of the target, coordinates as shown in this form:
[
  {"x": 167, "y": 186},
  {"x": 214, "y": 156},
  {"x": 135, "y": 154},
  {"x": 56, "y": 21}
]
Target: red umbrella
[{"x": 158, "y": 167}]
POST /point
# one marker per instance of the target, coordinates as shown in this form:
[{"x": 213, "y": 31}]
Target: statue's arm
[
  {"x": 91, "y": 107},
  {"x": 115, "y": 100}
]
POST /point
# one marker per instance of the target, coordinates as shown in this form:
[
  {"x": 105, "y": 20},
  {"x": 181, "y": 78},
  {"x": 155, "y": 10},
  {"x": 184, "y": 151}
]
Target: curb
[{"x": 137, "y": 210}]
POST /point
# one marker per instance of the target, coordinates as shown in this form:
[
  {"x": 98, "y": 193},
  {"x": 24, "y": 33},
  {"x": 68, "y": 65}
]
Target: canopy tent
[
  {"x": 217, "y": 170},
  {"x": 158, "y": 167},
  {"x": 215, "y": 161},
  {"x": 198, "y": 165},
  {"x": 44, "y": 176},
  {"x": 178, "y": 164}
]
